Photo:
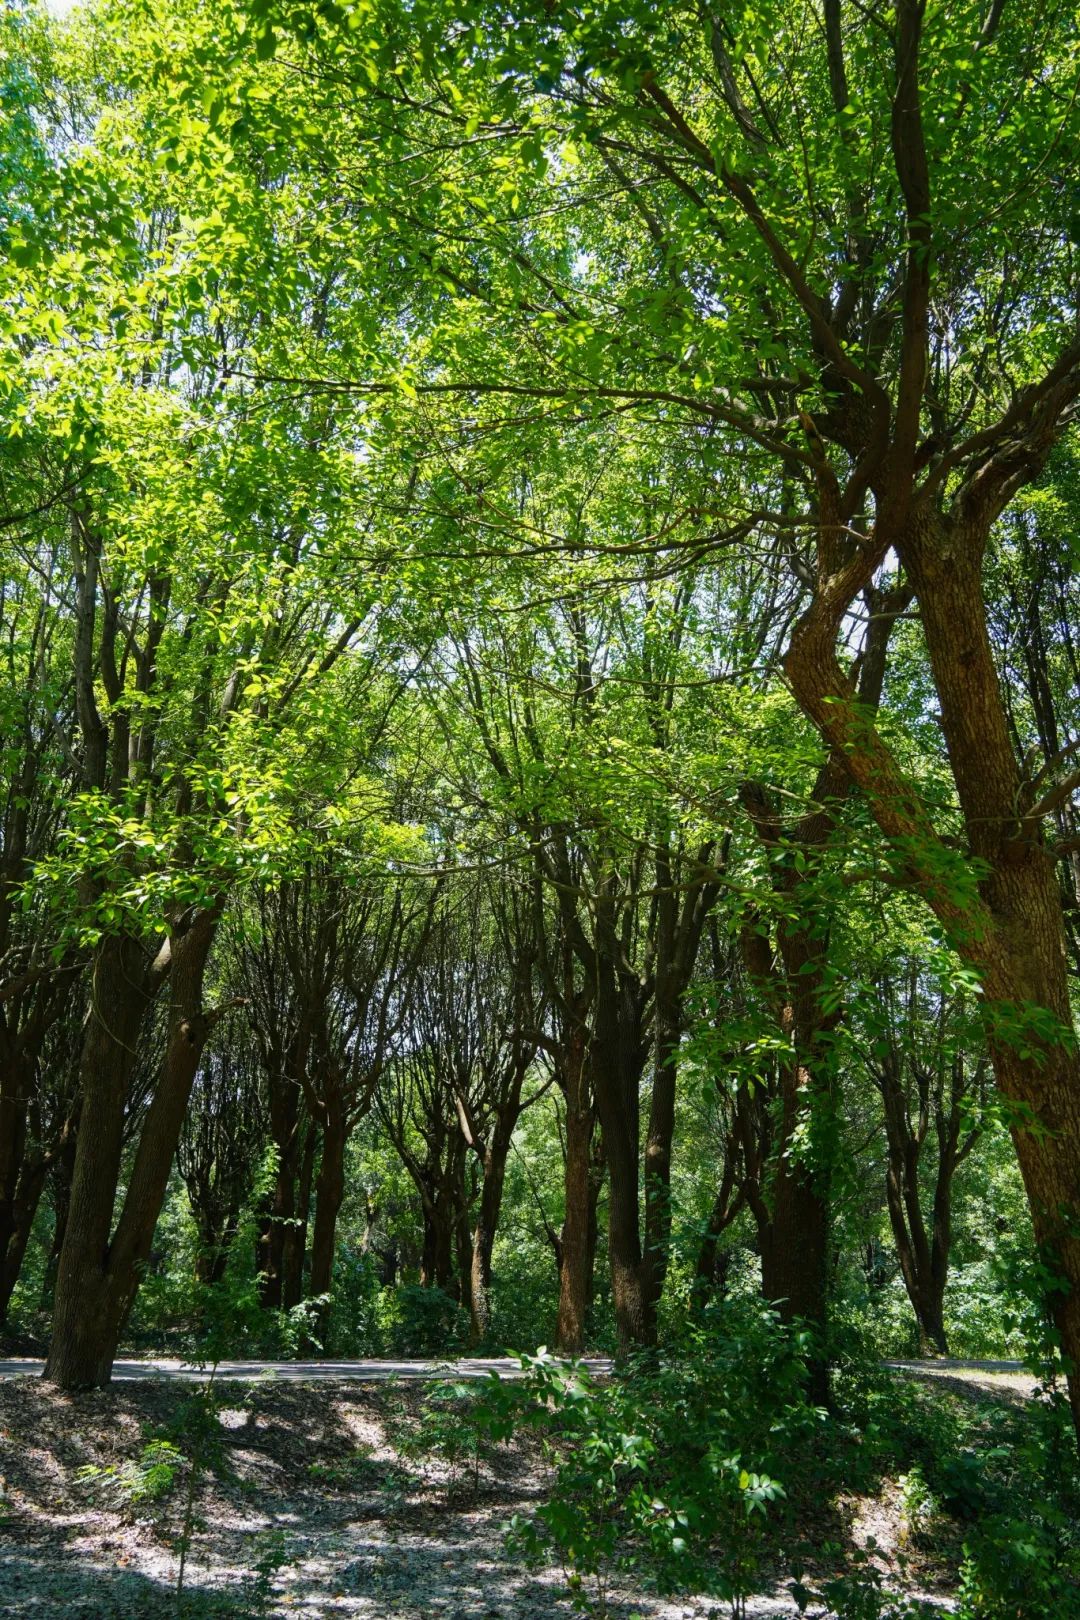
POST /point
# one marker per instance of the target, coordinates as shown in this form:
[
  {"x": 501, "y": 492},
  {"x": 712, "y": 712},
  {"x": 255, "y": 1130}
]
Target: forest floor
[{"x": 313, "y": 1499}]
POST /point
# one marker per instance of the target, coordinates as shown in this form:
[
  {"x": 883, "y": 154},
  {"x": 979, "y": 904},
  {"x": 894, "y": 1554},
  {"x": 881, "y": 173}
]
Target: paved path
[
  {"x": 1008, "y": 1378},
  {"x": 947, "y": 1364},
  {"x": 300, "y": 1372},
  {"x": 1010, "y": 1374}
]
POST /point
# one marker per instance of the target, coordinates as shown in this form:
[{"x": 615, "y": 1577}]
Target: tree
[
  {"x": 836, "y": 321},
  {"x": 217, "y": 1154},
  {"x": 920, "y": 1064}
]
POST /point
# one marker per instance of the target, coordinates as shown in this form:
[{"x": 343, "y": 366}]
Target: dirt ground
[{"x": 316, "y": 1504}]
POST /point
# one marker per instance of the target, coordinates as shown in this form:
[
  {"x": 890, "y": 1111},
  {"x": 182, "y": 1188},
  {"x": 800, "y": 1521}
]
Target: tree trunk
[
  {"x": 277, "y": 1238},
  {"x": 15, "y": 1083},
  {"x": 483, "y": 1239},
  {"x": 794, "y": 1253},
  {"x": 329, "y": 1193},
  {"x": 924, "y": 1257},
  {"x": 1022, "y": 955},
  {"x": 212, "y": 1255},
  {"x": 62, "y": 1171},
  {"x": 1005, "y": 918},
  {"x": 440, "y": 1217},
  {"x": 711, "y": 1267},
  {"x": 97, "y": 1278},
  {"x": 615, "y": 1081},
  {"x": 294, "y": 1234},
  {"x": 81, "y": 1349},
  {"x": 658, "y": 1159},
  {"x": 429, "y": 1244},
  {"x": 575, "y": 1251},
  {"x": 463, "y": 1246},
  {"x": 23, "y": 1170},
  {"x": 792, "y": 1210},
  {"x": 19, "y": 1227},
  {"x": 616, "y": 1058}
]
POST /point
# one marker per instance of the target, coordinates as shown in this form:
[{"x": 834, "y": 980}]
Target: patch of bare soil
[{"x": 312, "y": 1500}]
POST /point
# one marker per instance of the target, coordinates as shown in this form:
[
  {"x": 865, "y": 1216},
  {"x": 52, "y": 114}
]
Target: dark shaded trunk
[
  {"x": 216, "y": 1225},
  {"x": 658, "y": 1155},
  {"x": 85, "y": 1308},
  {"x": 212, "y": 1255},
  {"x": 577, "y": 1243},
  {"x": 789, "y": 1194},
  {"x": 294, "y": 1236},
  {"x": 99, "y": 1269},
  {"x": 62, "y": 1171},
  {"x": 598, "y": 1172},
  {"x": 711, "y": 1266},
  {"x": 24, "y": 1165},
  {"x": 795, "y": 1245},
  {"x": 923, "y": 1254},
  {"x": 19, "y": 1225},
  {"x": 463, "y": 1248},
  {"x": 616, "y": 1059},
  {"x": 483, "y": 1236},
  {"x": 15, "y": 1082},
  {"x": 429, "y": 1244},
  {"x": 440, "y": 1212},
  {"x": 278, "y": 1238},
  {"x": 329, "y": 1193}
]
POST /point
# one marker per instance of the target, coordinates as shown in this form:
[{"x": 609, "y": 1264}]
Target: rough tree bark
[
  {"x": 575, "y": 1248},
  {"x": 99, "y": 1267},
  {"x": 329, "y": 1194}
]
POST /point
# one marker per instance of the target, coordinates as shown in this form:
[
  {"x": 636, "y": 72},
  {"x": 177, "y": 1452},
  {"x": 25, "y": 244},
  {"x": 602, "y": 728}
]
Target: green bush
[
  {"x": 415, "y": 1321},
  {"x": 671, "y": 1469}
]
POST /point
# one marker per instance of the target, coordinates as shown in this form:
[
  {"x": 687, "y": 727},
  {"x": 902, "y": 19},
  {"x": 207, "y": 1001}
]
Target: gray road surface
[{"x": 300, "y": 1372}]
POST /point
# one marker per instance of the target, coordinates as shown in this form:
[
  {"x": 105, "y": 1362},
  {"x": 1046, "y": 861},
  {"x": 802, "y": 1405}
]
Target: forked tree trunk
[
  {"x": 923, "y": 1254},
  {"x": 923, "y": 1262},
  {"x": 84, "y": 1310},
  {"x": 99, "y": 1270},
  {"x": 710, "y": 1268}
]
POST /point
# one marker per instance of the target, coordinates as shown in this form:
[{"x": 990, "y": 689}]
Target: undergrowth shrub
[
  {"x": 417, "y": 1321},
  {"x": 671, "y": 1470}
]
